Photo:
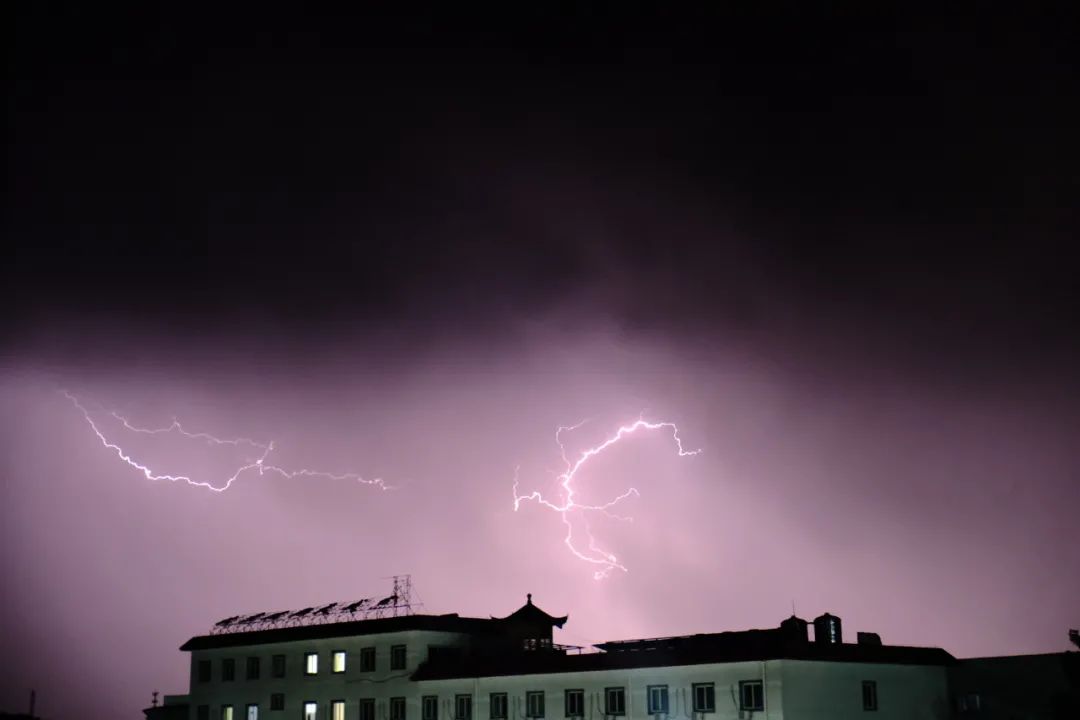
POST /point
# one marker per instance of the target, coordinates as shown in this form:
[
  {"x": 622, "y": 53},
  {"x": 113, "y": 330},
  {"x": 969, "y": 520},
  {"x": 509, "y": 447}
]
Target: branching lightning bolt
[
  {"x": 258, "y": 462},
  {"x": 595, "y": 555}
]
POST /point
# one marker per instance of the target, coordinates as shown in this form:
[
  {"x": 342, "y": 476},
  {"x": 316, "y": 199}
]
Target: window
[
  {"x": 277, "y": 701},
  {"x": 228, "y": 669},
  {"x": 751, "y": 695},
  {"x": 311, "y": 664},
  {"x": 367, "y": 659},
  {"x": 463, "y": 707},
  {"x": 252, "y": 668},
  {"x": 337, "y": 710},
  {"x": 367, "y": 709},
  {"x": 397, "y": 708},
  {"x": 534, "y": 704},
  {"x": 498, "y": 706},
  {"x": 226, "y": 712},
  {"x": 869, "y": 695},
  {"x": 968, "y": 703},
  {"x": 575, "y": 703},
  {"x": 429, "y": 707},
  {"x": 615, "y": 701},
  {"x": 337, "y": 663},
  {"x": 704, "y": 698},
  {"x": 204, "y": 671},
  {"x": 202, "y": 712},
  {"x": 397, "y": 657},
  {"x": 277, "y": 666},
  {"x": 658, "y": 699},
  {"x": 252, "y": 712},
  {"x": 311, "y": 710}
]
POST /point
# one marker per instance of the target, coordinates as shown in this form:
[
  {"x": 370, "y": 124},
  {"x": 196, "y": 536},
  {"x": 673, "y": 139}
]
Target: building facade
[{"x": 447, "y": 667}]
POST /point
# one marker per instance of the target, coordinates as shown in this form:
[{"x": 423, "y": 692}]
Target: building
[{"x": 392, "y": 666}]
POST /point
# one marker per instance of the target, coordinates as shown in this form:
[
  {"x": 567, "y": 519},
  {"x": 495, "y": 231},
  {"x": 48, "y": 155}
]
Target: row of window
[
  {"x": 704, "y": 694},
  {"x": 751, "y": 697},
  {"x": 338, "y": 660}
]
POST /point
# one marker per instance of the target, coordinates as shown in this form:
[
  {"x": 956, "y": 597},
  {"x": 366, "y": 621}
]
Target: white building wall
[
  {"x": 794, "y": 689},
  {"x": 833, "y": 691},
  {"x": 324, "y": 687}
]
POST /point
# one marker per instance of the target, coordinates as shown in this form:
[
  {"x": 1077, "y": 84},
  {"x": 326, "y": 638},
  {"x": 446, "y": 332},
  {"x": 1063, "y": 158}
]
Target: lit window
[
  {"x": 226, "y": 712},
  {"x": 575, "y": 703},
  {"x": 252, "y": 712},
  {"x": 228, "y": 669},
  {"x": 337, "y": 710},
  {"x": 338, "y": 664},
  {"x": 311, "y": 664},
  {"x": 202, "y": 712},
  {"x": 615, "y": 701},
  {"x": 397, "y": 657},
  {"x": 277, "y": 701},
  {"x": 869, "y": 695},
  {"x": 367, "y": 659},
  {"x": 534, "y": 704},
  {"x": 658, "y": 699},
  {"x": 397, "y": 708},
  {"x": 277, "y": 666},
  {"x": 463, "y": 707},
  {"x": 429, "y": 707},
  {"x": 704, "y": 698},
  {"x": 751, "y": 695},
  {"x": 311, "y": 710},
  {"x": 252, "y": 668},
  {"x": 367, "y": 709},
  {"x": 498, "y": 706}
]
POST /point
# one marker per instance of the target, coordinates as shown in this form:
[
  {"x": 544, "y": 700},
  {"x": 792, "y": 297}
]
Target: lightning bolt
[
  {"x": 258, "y": 462},
  {"x": 605, "y": 561}
]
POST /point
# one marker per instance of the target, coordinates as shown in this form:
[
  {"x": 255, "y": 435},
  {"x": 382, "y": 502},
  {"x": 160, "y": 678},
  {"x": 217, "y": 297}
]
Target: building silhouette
[{"x": 392, "y": 664}]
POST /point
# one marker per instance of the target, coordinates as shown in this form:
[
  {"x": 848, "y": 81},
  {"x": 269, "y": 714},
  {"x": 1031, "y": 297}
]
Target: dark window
[
  {"x": 397, "y": 708},
  {"x": 202, "y": 712},
  {"x": 751, "y": 695},
  {"x": 614, "y": 701},
  {"x": 534, "y": 704},
  {"x": 367, "y": 659},
  {"x": 463, "y": 707},
  {"x": 253, "y": 668},
  {"x": 277, "y": 666},
  {"x": 575, "y": 703},
  {"x": 498, "y": 706},
  {"x": 429, "y": 707},
  {"x": 397, "y": 657},
  {"x": 367, "y": 709},
  {"x": 204, "y": 673},
  {"x": 968, "y": 703},
  {"x": 228, "y": 669},
  {"x": 704, "y": 697},
  {"x": 277, "y": 701},
  {"x": 869, "y": 695},
  {"x": 658, "y": 699}
]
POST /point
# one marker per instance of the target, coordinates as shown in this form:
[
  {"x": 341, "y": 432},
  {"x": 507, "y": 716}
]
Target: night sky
[{"x": 833, "y": 248}]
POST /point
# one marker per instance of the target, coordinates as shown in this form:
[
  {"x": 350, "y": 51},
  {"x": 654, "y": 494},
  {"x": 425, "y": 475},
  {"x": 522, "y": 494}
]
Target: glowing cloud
[
  {"x": 594, "y": 555},
  {"x": 257, "y": 463}
]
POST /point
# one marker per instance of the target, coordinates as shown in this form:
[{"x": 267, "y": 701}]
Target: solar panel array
[{"x": 363, "y": 609}]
